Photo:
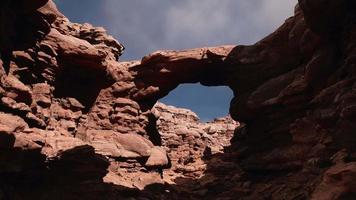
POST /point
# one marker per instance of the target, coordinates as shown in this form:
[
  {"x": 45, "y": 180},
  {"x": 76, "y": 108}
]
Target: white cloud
[{"x": 148, "y": 25}]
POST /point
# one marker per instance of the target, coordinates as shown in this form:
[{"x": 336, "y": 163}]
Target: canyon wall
[{"x": 76, "y": 123}]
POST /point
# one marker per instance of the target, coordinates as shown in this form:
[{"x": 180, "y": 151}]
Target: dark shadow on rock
[
  {"x": 27, "y": 175},
  {"x": 81, "y": 83},
  {"x": 152, "y": 130},
  {"x": 21, "y": 26}
]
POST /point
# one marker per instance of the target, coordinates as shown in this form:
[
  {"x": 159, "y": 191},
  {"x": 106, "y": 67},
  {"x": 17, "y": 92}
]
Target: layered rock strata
[{"x": 75, "y": 123}]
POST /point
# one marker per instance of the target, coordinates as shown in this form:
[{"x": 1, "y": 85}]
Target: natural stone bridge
[{"x": 72, "y": 114}]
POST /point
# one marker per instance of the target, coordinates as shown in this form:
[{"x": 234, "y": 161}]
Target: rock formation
[{"x": 75, "y": 123}]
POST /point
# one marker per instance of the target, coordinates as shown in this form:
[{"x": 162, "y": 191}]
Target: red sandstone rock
[
  {"x": 338, "y": 183},
  {"x": 158, "y": 158},
  {"x": 77, "y": 124}
]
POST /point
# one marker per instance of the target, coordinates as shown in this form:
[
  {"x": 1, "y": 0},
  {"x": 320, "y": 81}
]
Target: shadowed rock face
[{"x": 76, "y": 123}]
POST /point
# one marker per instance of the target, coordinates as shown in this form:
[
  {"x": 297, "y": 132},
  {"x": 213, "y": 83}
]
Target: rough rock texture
[
  {"x": 189, "y": 142},
  {"x": 70, "y": 121},
  {"x": 77, "y": 124}
]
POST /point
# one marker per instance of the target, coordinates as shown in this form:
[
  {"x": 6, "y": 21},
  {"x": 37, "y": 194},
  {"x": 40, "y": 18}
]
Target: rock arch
[{"x": 295, "y": 89}]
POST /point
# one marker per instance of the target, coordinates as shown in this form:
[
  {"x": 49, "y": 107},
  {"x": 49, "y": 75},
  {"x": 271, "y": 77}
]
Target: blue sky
[{"x": 144, "y": 26}]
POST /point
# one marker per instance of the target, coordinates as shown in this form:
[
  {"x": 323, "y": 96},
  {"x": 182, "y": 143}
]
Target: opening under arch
[{"x": 207, "y": 102}]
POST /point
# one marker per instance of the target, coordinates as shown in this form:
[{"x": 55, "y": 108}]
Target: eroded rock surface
[
  {"x": 189, "y": 142},
  {"x": 75, "y": 123}
]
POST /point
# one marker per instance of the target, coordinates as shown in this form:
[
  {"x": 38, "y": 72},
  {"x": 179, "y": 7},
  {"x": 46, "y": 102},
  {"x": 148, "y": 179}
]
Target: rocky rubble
[
  {"x": 188, "y": 141},
  {"x": 75, "y": 123}
]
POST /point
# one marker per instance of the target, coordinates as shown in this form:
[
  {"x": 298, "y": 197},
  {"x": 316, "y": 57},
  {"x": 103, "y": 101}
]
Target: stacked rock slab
[
  {"x": 67, "y": 125},
  {"x": 77, "y": 124}
]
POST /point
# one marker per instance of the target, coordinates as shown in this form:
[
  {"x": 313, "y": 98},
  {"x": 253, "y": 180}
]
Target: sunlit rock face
[{"x": 75, "y": 123}]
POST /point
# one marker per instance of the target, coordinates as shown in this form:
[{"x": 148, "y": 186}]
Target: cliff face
[{"x": 75, "y": 123}]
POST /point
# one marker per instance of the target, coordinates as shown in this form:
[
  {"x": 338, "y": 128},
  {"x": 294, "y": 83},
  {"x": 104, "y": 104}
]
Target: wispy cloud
[{"x": 149, "y": 25}]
